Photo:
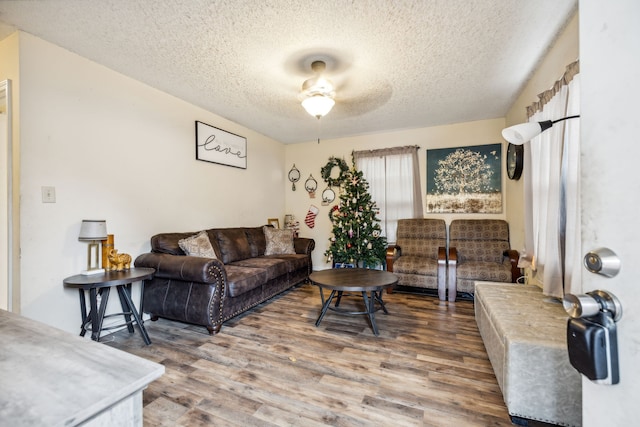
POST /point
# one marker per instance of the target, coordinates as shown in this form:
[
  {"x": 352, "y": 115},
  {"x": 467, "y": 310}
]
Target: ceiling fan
[{"x": 318, "y": 92}]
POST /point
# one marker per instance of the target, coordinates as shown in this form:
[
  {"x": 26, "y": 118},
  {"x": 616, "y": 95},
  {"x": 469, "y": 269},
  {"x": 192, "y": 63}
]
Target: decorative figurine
[{"x": 119, "y": 262}]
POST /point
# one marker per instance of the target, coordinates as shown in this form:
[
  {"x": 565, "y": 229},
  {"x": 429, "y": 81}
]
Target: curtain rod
[{"x": 386, "y": 149}]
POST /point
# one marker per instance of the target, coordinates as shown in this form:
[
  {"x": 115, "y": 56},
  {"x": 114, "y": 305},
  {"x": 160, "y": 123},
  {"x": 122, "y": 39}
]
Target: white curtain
[
  {"x": 393, "y": 175},
  {"x": 552, "y": 190},
  {"x": 571, "y": 168}
]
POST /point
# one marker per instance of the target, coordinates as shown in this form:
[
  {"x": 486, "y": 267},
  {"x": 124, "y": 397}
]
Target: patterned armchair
[
  {"x": 419, "y": 256},
  {"x": 479, "y": 250}
]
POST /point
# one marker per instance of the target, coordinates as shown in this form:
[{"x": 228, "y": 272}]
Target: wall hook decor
[
  {"x": 328, "y": 196},
  {"x": 311, "y": 185},
  {"x": 294, "y": 176}
]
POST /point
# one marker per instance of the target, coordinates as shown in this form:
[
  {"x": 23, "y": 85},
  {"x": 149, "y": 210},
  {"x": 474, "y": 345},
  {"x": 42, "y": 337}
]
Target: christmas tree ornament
[{"x": 310, "y": 219}]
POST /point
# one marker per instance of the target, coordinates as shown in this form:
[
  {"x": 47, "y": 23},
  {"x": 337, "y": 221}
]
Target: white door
[{"x": 610, "y": 187}]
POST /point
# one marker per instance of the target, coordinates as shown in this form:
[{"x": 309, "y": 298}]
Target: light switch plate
[{"x": 48, "y": 194}]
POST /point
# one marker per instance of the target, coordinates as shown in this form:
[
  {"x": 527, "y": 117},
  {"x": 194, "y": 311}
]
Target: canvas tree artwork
[{"x": 464, "y": 179}]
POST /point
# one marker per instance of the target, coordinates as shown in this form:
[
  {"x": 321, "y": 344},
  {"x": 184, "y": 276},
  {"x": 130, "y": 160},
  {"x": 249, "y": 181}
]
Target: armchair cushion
[
  {"x": 421, "y": 237},
  {"x": 419, "y": 256},
  {"x": 488, "y": 251},
  {"x": 409, "y": 264},
  {"x": 486, "y": 271},
  {"x": 479, "y": 250}
]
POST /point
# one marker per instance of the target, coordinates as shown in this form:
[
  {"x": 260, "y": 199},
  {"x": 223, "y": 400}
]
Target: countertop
[{"x": 51, "y": 377}]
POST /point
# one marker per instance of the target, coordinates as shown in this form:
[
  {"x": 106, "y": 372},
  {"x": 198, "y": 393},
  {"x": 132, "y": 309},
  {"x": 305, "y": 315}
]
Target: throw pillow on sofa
[
  {"x": 198, "y": 245},
  {"x": 279, "y": 242}
]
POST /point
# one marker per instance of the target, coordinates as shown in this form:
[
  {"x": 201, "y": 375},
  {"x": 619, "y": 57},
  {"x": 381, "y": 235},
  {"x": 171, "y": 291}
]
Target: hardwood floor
[{"x": 273, "y": 367}]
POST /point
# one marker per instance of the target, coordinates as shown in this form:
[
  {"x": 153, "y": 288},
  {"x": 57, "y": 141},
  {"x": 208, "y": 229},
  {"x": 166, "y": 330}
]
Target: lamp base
[{"x": 92, "y": 272}]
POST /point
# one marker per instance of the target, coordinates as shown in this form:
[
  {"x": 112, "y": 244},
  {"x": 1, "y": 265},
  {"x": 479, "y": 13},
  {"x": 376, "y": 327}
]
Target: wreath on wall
[{"x": 326, "y": 170}]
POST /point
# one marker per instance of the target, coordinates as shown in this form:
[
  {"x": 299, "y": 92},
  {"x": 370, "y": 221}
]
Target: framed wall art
[
  {"x": 219, "y": 146},
  {"x": 275, "y": 222},
  {"x": 465, "y": 179}
]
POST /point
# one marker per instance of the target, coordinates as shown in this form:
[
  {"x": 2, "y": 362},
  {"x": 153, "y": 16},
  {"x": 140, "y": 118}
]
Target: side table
[{"x": 101, "y": 284}]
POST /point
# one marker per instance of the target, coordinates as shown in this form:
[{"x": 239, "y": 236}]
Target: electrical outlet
[{"x": 48, "y": 194}]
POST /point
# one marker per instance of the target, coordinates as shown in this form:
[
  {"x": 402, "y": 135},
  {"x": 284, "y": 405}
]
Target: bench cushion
[{"x": 524, "y": 333}]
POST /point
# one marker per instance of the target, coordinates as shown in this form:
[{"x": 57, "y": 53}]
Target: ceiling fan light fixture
[
  {"x": 318, "y": 92},
  {"x": 317, "y": 85},
  {"x": 318, "y": 105}
]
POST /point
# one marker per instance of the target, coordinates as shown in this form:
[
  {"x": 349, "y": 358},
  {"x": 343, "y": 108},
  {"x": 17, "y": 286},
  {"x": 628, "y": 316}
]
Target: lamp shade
[
  {"x": 318, "y": 105},
  {"x": 519, "y": 134},
  {"x": 93, "y": 229}
]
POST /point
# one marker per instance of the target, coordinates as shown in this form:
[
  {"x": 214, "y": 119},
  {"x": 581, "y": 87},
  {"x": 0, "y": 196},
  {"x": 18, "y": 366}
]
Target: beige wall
[
  {"x": 118, "y": 150},
  {"x": 310, "y": 157}
]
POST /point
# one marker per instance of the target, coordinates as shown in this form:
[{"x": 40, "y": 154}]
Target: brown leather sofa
[{"x": 208, "y": 291}]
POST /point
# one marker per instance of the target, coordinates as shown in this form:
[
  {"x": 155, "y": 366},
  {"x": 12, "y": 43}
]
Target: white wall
[
  {"x": 119, "y": 150},
  {"x": 310, "y": 157},
  {"x": 610, "y": 67},
  {"x": 4, "y": 196},
  {"x": 9, "y": 70}
]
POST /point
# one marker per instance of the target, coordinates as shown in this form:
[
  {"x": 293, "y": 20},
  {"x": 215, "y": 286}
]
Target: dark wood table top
[
  {"x": 109, "y": 278},
  {"x": 353, "y": 279}
]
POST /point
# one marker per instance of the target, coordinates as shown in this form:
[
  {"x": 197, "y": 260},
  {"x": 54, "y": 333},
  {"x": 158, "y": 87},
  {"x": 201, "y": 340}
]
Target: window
[{"x": 393, "y": 175}]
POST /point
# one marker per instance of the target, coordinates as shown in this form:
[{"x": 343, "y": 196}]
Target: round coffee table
[{"x": 370, "y": 283}]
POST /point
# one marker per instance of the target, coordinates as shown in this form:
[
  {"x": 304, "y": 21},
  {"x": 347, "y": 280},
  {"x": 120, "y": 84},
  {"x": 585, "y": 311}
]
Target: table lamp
[{"x": 93, "y": 231}]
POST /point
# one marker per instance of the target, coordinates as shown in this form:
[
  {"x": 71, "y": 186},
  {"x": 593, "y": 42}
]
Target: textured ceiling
[{"x": 396, "y": 64}]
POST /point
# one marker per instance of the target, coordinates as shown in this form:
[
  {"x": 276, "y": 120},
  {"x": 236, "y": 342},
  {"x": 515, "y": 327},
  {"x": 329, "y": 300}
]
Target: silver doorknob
[
  {"x": 589, "y": 305},
  {"x": 602, "y": 261}
]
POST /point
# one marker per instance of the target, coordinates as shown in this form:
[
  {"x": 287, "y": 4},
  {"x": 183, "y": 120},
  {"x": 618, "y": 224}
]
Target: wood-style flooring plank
[{"x": 272, "y": 366}]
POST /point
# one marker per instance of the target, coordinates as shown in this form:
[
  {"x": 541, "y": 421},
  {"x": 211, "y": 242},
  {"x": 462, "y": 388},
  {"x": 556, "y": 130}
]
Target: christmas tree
[{"x": 356, "y": 235}]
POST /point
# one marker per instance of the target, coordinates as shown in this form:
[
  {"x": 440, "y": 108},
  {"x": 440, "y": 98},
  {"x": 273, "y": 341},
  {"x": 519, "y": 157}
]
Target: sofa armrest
[
  {"x": 452, "y": 278},
  {"x": 513, "y": 256},
  {"x": 303, "y": 245},
  {"x": 452, "y": 260},
  {"x": 392, "y": 254},
  {"x": 442, "y": 273},
  {"x": 185, "y": 268}
]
